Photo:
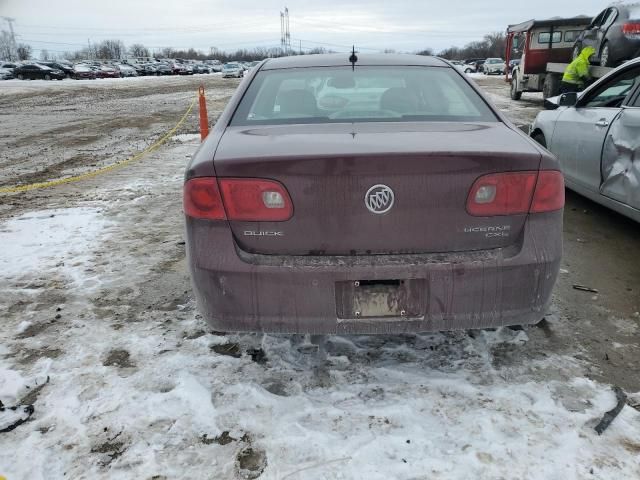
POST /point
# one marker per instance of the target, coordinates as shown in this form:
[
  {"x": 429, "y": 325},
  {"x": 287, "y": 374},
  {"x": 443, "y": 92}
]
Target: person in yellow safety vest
[{"x": 577, "y": 73}]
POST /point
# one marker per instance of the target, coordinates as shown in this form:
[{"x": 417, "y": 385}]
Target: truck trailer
[{"x": 547, "y": 48}]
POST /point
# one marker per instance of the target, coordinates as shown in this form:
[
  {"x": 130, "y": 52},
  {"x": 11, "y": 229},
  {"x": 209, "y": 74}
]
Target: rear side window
[
  {"x": 571, "y": 35},
  {"x": 366, "y": 94},
  {"x": 544, "y": 37}
]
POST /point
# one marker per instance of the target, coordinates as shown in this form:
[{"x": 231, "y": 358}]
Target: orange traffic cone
[{"x": 204, "y": 119}]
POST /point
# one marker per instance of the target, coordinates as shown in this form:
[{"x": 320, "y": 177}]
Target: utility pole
[
  {"x": 300, "y": 46},
  {"x": 282, "y": 32},
  {"x": 10, "y": 21},
  {"x": 88, "y": 49}
]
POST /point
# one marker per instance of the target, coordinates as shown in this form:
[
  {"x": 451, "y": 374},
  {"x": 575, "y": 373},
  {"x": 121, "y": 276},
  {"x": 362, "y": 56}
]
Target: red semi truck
[{"x": 546, "y": 47}]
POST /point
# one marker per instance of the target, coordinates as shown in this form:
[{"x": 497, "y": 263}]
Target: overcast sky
[{"x": 404, "y": 25}]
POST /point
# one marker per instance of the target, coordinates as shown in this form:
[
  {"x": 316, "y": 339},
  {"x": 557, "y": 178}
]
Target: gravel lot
[{"x": 100, "y": 333}]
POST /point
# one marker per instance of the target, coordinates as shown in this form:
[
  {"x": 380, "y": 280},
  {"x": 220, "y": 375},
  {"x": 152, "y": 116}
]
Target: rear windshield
[{"x": 368, "y": 94}]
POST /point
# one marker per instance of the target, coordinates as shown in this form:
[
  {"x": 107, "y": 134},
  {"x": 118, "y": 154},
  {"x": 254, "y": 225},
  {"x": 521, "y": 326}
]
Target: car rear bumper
[{"x": 240, "y": 291}]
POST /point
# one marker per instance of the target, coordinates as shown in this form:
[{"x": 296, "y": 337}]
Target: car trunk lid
[{"x": 329, "y": 168}]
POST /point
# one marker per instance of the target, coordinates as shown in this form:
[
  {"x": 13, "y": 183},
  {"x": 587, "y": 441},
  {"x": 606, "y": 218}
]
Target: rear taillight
[
  {"x": 201, "y": 199},
  {"x": 514, "y": 193},
  {"x": 549, "y": 193},
  {"x": 243, "y": 199},
  {"x": 631, "y": 29},
  {"x": 255, "y": 200}
]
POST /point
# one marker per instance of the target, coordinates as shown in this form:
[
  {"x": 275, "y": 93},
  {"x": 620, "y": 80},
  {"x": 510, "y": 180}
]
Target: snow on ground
[
  {"x": 40, "y": 240},
  {"x": 15, "y": 86},
  {"x": 186, "y": 137},
  {"x": 139, "y": 387}
]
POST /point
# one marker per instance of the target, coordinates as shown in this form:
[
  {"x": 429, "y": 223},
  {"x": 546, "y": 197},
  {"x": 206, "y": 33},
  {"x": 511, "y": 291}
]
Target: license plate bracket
[{"x": 380, "y": 299}]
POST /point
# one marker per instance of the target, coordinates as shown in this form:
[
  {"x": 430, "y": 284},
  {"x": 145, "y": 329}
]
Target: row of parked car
[
  {"x": 89, "y": 70},
  {"x": 488, "y": 66}
]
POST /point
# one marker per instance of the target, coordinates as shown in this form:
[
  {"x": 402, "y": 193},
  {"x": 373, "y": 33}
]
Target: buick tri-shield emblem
[{"x": 379, "y": 199}]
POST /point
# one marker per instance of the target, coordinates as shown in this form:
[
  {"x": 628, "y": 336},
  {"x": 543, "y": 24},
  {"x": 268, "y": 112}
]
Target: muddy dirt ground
[{"x": 97, "y": 313}]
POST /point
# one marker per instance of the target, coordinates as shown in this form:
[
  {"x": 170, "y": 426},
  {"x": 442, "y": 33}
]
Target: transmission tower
[
  {"x": 282, "y": 32},
  {"x": 285, "y": 35}
]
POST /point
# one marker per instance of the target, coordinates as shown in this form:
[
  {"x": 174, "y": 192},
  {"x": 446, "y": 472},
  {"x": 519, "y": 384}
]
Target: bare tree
[
  {"x": 426, "y": 51},
  {"x": 110, "y": 49},
  {"x": 24, "y": 51},
  {"x": 6, "y": 46},
  {"x": 452, "y": 53},
  {"x": 167, "y": 52},
  {"x": 138, "y": 50},
  {"x": 496, "y": 44},
  {"x": 317, "y": 51}
]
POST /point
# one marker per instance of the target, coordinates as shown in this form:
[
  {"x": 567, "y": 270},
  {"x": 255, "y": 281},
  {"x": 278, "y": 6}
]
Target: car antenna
[{"x": 353, "y": 58}]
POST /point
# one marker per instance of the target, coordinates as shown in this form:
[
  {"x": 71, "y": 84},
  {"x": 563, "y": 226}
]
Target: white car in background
[
  {"x": 463, "y": 67},
  {"x": 214, "y": 65},
  {"x": 596, "y": 136},
  {"x": 127, "y": 70},
  {"x": 494, "y": 66},
  {"x": 232, "y": 70},
  {"x": 6, "y": 73}
]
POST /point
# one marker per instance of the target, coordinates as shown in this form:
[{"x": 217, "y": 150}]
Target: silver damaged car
[{"x": 596, "y": 136}]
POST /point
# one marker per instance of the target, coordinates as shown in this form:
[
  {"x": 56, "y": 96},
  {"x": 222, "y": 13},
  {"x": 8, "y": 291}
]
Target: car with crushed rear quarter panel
[
  {"x": 595, "y": 135},
  {"x": 369, "y": 194}
]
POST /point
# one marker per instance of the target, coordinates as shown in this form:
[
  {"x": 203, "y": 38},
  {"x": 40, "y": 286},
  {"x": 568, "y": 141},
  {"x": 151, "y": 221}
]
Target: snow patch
[
  {"x": 186, "y": 137},
  {"x": 60, "y": 239},
  {"x": 11, "y": 385}
]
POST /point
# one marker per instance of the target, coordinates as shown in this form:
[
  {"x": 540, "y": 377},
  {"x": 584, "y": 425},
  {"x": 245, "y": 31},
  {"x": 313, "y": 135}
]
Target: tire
[
  {"x": 468, "y": 70},
  {"x": 20, "y": 76},
  {"x": 47, "y": 77},
  {"x": 551, "y": 87},
  {"x": 605, "y": 55},
  {"x": 513, "y": 92},
  {"x": 539, "y": 137}
]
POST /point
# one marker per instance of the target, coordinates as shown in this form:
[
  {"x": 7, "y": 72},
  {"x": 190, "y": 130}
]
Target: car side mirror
[
  {"x": 568, "y": 99},
  {"x": 550, "y": 104}
]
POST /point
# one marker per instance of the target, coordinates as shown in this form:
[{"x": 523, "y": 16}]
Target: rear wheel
[
  {"x": 605, "y": 56},
  {"x": 20, "y": 76},
  {"x": 539, "y": 137},
  {"x": 551, "y": 86},
  {"x": 47, "y": 77},
  {"x": 468, "y": 70},
  {"x": 514, "y": 93}
]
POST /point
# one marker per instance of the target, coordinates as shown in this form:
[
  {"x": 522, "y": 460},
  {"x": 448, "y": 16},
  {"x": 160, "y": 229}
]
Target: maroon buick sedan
[{"x": 376, "y": 194}]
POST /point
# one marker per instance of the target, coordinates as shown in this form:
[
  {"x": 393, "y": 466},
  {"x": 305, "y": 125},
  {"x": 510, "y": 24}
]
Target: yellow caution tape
[{"x": 108, "y": 168}]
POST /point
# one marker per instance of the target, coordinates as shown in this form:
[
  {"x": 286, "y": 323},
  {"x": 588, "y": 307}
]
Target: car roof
[{"x": 342, "y": 59}]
